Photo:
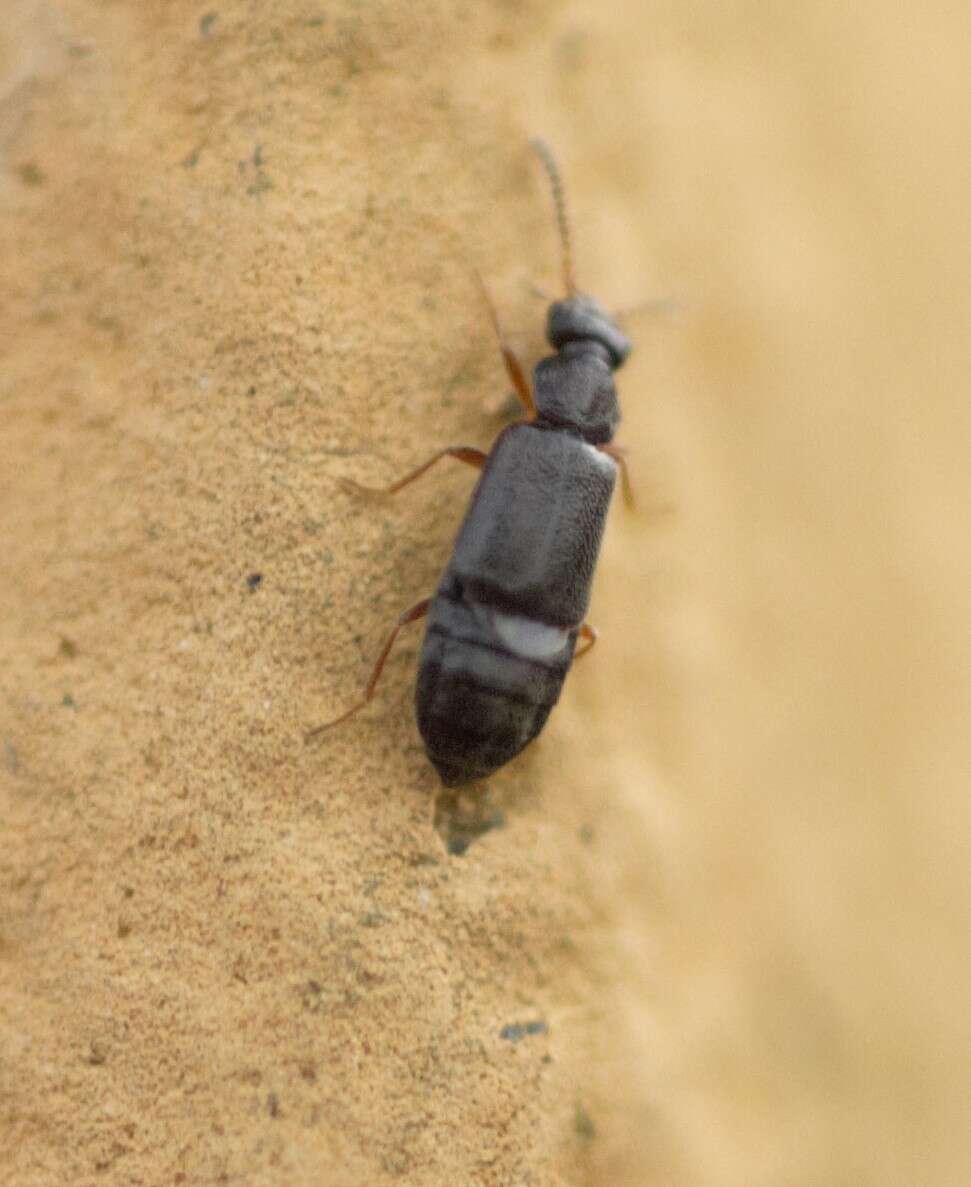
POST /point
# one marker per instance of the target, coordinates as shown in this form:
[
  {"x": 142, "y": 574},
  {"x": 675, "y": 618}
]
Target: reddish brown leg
[
  {"x": 513, "y": 366},
  {"x": 412, "y": 615},
  {"x": 463, "y": 453},
  {"x": 619, "y": 454},
  {"x": 589, "y": 634}
]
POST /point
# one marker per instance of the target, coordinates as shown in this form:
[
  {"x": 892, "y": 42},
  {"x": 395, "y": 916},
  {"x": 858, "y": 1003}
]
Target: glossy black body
[{"x": 503, "y": 624}]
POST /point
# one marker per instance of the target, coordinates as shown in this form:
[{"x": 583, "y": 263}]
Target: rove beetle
[{"x": 504, "y": 622}]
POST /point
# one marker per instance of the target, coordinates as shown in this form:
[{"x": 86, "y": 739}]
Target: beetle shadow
[{"x": 464, "y": 814}]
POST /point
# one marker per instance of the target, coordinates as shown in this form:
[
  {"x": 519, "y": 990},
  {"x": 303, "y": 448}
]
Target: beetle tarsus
[
  {"x": 462, "y": 453},
  {"x": 419, "y": 610}
]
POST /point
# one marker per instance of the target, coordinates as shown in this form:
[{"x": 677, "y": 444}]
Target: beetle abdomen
[{"x": 487, "y": 681}]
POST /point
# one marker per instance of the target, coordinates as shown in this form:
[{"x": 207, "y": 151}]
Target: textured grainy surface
[{"x": 722, "y": 936}]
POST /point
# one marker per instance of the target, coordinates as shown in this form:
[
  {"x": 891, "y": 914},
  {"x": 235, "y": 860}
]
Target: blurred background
[{"x": 713, "y": 927}]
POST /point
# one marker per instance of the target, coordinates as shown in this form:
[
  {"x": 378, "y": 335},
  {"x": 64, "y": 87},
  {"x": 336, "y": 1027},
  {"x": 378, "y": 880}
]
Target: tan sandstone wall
[{"x": 723, "y": 904}]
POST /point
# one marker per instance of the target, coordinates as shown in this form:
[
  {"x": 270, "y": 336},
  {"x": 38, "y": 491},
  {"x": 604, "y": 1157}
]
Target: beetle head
[{"x": 582, "y": 319}]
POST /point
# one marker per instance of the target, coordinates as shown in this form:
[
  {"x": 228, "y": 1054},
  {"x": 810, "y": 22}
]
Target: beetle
[{"x": 509, "y": 611}]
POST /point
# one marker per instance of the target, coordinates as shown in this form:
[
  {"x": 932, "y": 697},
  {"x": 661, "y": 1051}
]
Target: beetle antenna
[{"x": 545, "y": 154}]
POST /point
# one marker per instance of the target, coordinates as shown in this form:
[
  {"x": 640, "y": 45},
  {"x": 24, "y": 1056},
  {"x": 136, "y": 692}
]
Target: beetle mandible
[{"x": 505, "y": 620}]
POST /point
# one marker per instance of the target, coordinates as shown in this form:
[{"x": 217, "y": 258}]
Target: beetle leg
[
  {"x": 590, "y": 635},
  {"x": 412, "y": 615},
  {"x": 619, "y": 454},
  {"x": 514, "y": 368},
  {"x": 464, "y": 453}
]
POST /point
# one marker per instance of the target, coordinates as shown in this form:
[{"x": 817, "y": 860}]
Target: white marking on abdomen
[
  {"x": 527, "y": 637},
  {"x": 602, "y": 458}
]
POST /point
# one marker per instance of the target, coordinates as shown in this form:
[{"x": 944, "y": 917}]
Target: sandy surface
[{"x": 715, "y": 928}]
